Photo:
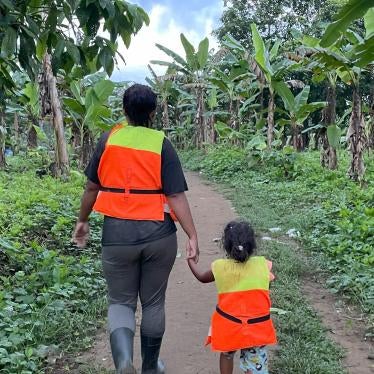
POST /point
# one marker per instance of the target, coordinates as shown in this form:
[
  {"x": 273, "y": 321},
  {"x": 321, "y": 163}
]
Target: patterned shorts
[{"x": 252, "y": 360}]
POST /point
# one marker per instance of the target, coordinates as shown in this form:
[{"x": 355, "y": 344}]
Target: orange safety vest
[
  {"x": 242, "y": 316},
  {"x": 130, "y": 175}
]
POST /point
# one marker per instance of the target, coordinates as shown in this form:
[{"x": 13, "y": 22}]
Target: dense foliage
[
  {"x": 262, "y": 86},
  {"x": 51, "y": 293},
  {"x": 304, "y": 16}
]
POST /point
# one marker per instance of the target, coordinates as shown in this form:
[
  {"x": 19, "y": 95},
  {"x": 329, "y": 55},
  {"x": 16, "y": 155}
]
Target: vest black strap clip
[
  {"x": 132, "y": 191},
  {"x": 237, "y": 320}
]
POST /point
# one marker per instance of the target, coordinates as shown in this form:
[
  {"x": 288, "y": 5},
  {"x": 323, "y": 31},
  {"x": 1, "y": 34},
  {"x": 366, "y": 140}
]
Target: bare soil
[
  {"x": 345, "y": 326},
  {"x": 190, "y": 304}
]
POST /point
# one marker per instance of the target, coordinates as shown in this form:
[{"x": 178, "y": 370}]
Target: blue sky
[{"x": 195, "y": 18}]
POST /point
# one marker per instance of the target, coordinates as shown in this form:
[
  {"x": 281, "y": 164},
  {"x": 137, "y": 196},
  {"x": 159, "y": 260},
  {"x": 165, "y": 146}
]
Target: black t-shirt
[{"x": 118, "y": 231}]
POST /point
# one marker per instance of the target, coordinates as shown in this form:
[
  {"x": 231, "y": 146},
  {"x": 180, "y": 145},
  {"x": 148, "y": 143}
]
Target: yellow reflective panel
[
  {"x": 137, "y": 137},
  {"x": 231, "y": 276}
]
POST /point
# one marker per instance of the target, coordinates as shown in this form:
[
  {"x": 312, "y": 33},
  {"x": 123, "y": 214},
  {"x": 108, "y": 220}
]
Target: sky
[{"x": 168, "y": 19}]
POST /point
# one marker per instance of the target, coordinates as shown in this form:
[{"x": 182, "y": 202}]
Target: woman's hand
[
  {"x": 179, "y": 204},
  {"x": 81, "y": 233},
  {"x": 192, "y": 250}
]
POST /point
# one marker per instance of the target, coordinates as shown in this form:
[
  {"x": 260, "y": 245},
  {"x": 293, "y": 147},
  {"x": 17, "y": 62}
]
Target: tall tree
[
  {"x": 63, "y": 34},
  {"x": 275, "y": 19}
]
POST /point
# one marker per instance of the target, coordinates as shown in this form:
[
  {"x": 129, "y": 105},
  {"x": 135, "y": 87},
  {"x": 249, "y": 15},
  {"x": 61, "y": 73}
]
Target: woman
[{"x": 136, "y": 181}]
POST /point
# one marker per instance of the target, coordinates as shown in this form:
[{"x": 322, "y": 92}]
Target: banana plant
[
  {"x": 233, "y": 85},
  {"x": 163, "y": 86},
  {"x": 352, "y": 10},
  {"x": 30, "y": 99},
  {"x": 89, "y": 113},
  {"x": 268, "y": 68},
  {"x": 329, "y": 131},
  {"x": 349, "y": 56},
  {"x": 194, "y": 67},
  {"x": 274, "y": 69},
  {"x": 297, "y": 110}
]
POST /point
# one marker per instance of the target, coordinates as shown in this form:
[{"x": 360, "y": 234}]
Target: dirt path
[
  {"x": 345, "y": 326},
  {"x": 189, "y": 303}
]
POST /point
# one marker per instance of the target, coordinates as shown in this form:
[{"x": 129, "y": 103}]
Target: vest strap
[
  {"x": 131, "y": 191},
  {"x": 237, "y": 320}
]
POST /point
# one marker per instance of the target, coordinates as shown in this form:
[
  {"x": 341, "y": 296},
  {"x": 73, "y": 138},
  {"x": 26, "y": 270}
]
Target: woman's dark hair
[
  {"x": 239, "y": 240},
  {"x": 139, "y": 102}
]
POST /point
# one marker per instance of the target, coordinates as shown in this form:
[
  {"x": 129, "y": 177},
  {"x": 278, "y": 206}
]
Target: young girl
[{"x": 242, "y": 317}]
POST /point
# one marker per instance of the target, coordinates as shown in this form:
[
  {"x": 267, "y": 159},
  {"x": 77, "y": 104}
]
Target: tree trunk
[
  {"x": 76, "y": 137},
  {"x": 324, "y": 155},
  {"x": 165, "y": 114},
  {"x": 87, "y": 149},
  {"x": 371, "y": 113},
  {"x": 32, "y": 138},
  {"x": 62, "y": 159},
  {"x": 2, "y": 141},
  {"x": 297, "y": 140},
  {"x": 231, "y": 112},
  {"x": 261, "y": 97},
  {"x": 271, "y": 109},
  {"x": 199, "y": 120},
  {"x": 328, "y": 153},
  {"x": 356, "y": 138},
  {"x": 210, "y": 136},
  {"x": 16, "y": 134},
  {"x": 2, "y": 156}
]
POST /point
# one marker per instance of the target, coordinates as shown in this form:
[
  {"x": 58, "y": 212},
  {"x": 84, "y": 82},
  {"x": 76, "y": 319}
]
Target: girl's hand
[{"x": 81, "y": 234}]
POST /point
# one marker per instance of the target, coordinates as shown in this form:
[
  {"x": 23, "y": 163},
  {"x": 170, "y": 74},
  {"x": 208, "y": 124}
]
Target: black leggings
[{"x": 139, "y": 270}]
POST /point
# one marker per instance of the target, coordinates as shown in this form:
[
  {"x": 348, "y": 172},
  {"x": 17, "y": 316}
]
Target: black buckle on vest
[
  {"x": 132, "y": 191},
  {"x": 237, "y": 320}
]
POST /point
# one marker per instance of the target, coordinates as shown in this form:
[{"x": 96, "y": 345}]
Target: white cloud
[{"x": 163, "y": 29}]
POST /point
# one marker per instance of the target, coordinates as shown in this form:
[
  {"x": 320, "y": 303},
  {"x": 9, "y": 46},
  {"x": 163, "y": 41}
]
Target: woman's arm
[
  {"x": 88, "y": 200},
  {"x": 82, "y": 229},
  {"x": 179, "y": 204},
  {"x": 202, "y": 276}
]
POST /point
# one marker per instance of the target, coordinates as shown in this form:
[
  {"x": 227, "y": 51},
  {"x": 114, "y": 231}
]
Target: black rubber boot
[
  {"x": 122, "y": 346},
  {"x": 150, "y": 351}
]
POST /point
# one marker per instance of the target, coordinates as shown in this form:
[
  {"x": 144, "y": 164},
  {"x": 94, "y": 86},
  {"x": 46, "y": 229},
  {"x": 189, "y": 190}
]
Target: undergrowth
[{"x": 51, "y": 293}]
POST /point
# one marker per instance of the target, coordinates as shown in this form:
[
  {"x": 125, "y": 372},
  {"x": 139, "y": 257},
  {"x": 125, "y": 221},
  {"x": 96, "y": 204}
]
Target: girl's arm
[{"x": 202, "y": 276}]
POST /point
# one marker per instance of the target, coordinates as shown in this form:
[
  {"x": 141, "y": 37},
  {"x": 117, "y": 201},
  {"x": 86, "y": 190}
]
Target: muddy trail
[{"x": 190, "y": 304}]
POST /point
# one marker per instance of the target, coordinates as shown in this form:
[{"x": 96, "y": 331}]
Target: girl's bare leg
[{"x": 226, "y": 363}]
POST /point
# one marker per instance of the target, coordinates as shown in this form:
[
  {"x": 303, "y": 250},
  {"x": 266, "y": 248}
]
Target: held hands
[
  {"x": 192, "y": 250},
  {"x": 81, "y": 234}
]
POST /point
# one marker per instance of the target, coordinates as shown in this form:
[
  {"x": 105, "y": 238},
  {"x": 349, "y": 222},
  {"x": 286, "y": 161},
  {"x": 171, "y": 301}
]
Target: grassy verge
[
  {"x": 51, "y": 293},
  {"x": 322, "y": 206}
]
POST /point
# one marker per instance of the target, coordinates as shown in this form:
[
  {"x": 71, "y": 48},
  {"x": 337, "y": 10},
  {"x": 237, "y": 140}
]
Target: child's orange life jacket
[
  {"x": 242, "y": 316},
  {"x": 130, "y": 175}
]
